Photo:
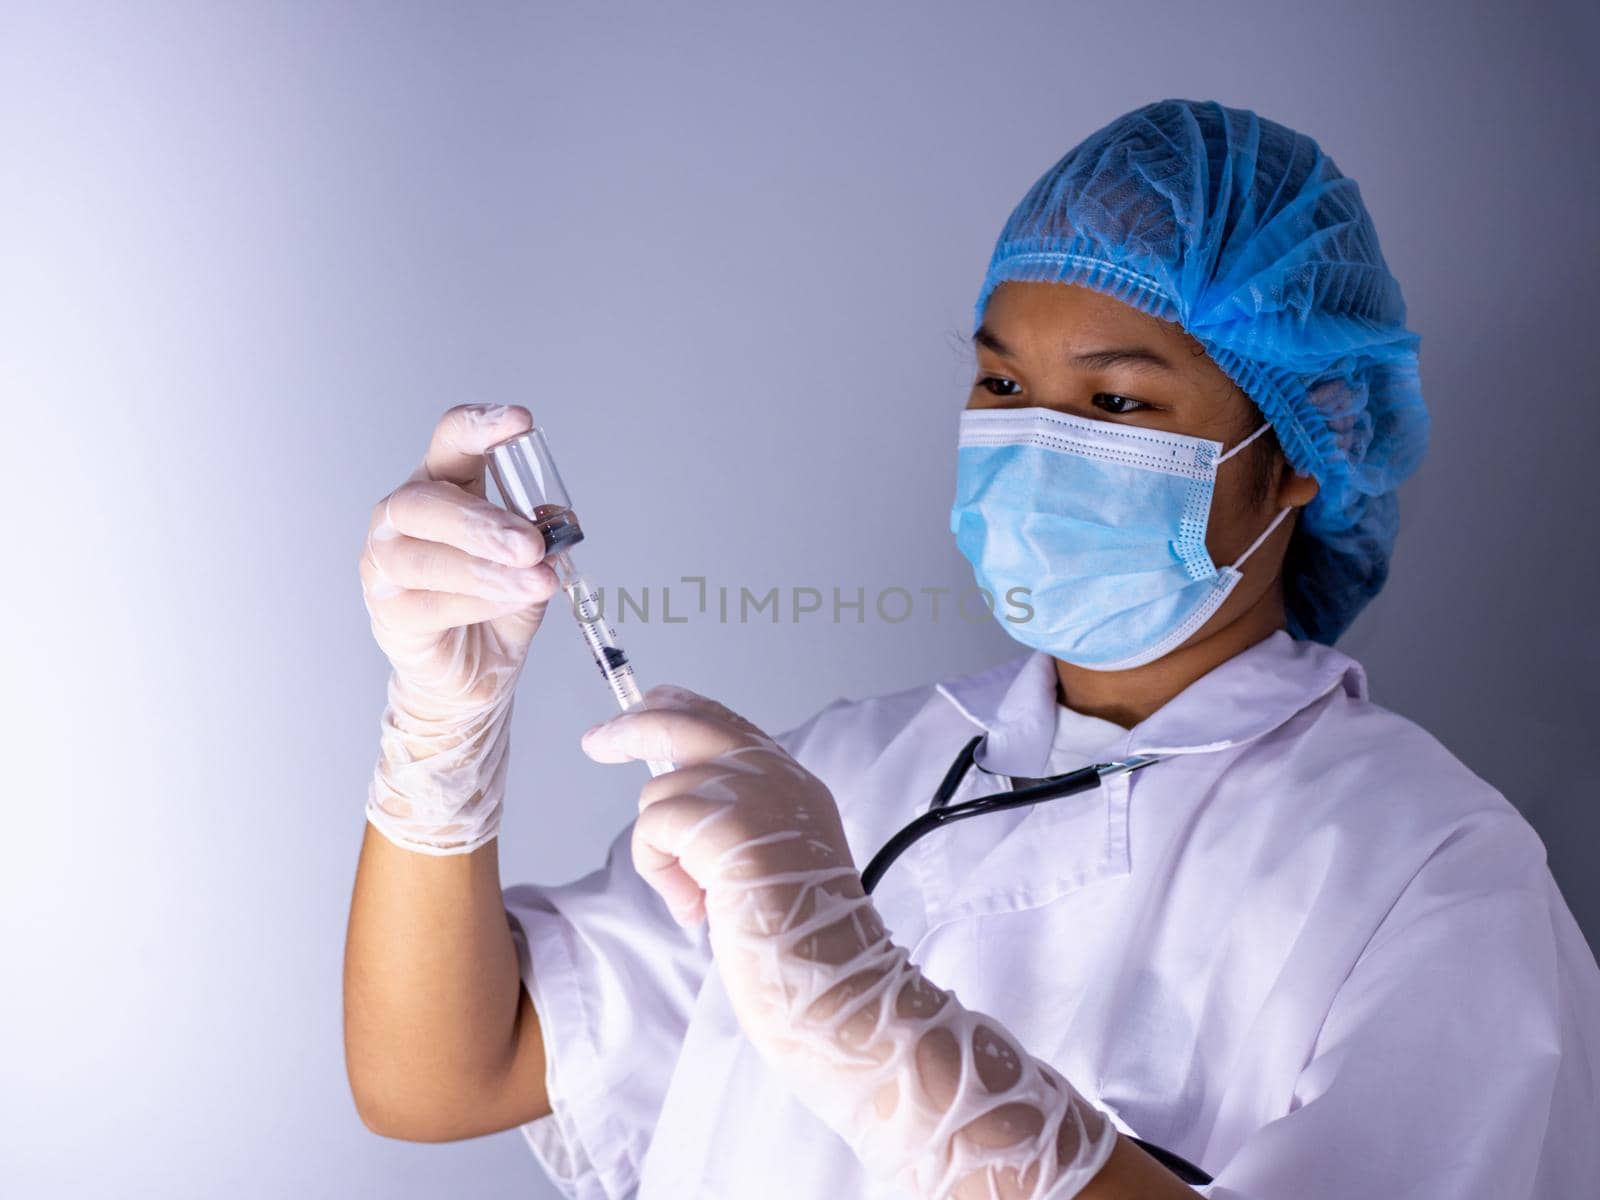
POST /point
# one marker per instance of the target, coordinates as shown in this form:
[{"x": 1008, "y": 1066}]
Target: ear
[{"x": 1294, "y": 490}]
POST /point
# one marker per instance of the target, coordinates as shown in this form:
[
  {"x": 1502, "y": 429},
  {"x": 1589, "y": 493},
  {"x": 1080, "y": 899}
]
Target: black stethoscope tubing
[{"x": 942, "y": 812}]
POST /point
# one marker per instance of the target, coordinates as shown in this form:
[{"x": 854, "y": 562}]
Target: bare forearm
[
  {"x": 440, "y": 1040},
  {"x": 1131, "y": 1174}
]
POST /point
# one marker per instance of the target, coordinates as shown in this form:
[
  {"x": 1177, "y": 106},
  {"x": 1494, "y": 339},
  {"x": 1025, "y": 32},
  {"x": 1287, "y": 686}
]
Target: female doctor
[{"x": 1290, "y": 947}]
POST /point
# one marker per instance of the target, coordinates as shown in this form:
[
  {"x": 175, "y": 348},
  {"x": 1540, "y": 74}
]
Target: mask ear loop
[
  {"x": 1262, "y": 428},
  {"x": 1265, "y": 534},
  {"x": 1282, "y": 512}
]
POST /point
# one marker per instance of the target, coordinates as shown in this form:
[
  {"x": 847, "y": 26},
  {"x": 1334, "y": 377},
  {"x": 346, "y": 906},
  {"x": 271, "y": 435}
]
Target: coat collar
[
  {"x": 1052, "y": 848},
  {"x": 1251, "y": 694}
]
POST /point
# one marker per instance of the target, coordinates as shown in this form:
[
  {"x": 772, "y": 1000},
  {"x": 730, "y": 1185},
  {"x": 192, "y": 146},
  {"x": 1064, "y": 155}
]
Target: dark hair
[
  {"x": 1265, "y": 457},
  {"x": 1264, "y": 454}
]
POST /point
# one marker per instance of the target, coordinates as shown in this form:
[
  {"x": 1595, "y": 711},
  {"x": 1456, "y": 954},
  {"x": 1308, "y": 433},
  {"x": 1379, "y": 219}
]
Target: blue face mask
[{"x": 1101, "y": 526}]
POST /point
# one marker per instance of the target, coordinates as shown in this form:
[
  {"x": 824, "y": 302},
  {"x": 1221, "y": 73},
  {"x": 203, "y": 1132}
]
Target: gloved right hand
[{"x": 455, "y": 588}]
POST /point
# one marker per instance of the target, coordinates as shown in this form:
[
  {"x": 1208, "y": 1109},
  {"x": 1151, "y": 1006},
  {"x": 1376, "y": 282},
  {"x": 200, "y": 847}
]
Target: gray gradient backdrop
[{"x": 248, "y": 254}]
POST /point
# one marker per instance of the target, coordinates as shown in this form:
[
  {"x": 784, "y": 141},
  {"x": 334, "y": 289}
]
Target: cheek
[{"x": 1235, "y": 519}]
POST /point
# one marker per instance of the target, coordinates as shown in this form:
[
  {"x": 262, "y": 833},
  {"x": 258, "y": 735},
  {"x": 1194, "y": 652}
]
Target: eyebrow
[{"x": 1094, "y": 360}]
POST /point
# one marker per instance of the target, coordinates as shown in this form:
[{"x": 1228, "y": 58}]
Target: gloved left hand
[{"x": 932, "y": 1095}]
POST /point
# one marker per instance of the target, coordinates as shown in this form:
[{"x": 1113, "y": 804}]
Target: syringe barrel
[
  {"x": 602, "y": 642},
  {"x": 530, "y": 485}
]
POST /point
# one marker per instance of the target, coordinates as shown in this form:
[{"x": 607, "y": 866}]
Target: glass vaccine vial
[{"x": 531, "y": 486}]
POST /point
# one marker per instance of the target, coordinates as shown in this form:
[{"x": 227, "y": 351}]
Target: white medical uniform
[{"x": 1312, "y": 953}]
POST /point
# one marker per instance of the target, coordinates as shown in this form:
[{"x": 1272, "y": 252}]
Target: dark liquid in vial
[{"x": 559, "y": 527}]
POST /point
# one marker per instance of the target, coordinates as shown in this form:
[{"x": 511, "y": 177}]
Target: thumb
[{"x": 455, "y": 452}]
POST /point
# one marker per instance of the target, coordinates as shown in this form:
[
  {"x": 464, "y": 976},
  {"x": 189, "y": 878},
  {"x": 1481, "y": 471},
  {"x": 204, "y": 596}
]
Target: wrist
[
  {"x": 437, "y": 785},
  {"x": 477, "y": 827},
  {"x": 938, "y": 1098}
]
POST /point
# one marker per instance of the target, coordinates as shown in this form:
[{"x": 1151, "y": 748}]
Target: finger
[
  {"x": 443, "y": 512},
  {"x": 694, "y": 914},
  {"x": 714, "y": 780},
  {"x": 412, "y": 563},
  {"x": 672, "y": 830},
  {"x": 670, "y": 695},
  {"x": 455, "y": 452},
  {"x": 674, "y": 735},
  {"x": 417, "y": 612},
  {"x": 666, "y": 876}
]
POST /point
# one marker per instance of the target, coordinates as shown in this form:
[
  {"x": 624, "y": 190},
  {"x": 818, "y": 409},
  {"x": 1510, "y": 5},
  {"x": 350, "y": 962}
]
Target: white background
[{"x": 250, "y": 252}]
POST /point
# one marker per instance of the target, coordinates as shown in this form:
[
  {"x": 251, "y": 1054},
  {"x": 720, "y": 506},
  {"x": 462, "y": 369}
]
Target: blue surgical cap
[{"x": 1249, "y": 237}]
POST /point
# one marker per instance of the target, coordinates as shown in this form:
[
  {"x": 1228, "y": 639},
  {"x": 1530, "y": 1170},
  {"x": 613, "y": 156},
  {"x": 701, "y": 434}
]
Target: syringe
[{"x": 531, "y": 486}]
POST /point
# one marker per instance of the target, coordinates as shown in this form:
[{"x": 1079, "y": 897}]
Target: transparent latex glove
[
  {"x": 934, "y": 1097},
  {"x": 455, "y": 589}
]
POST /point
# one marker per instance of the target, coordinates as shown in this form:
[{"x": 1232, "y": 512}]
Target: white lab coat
[{"x": 1313, "y": 953}]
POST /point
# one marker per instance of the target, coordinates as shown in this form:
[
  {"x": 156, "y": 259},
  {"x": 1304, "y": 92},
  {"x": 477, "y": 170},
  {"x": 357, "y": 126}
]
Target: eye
[
  {"x": 1115, "y": 404},
  {"x": 996, "y": 379}
]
